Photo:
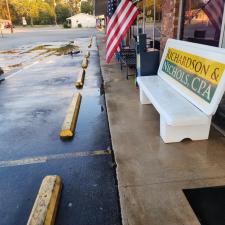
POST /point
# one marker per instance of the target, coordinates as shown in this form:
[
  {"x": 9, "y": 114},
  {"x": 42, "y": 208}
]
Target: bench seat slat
[{"x": 175, "y": 109}]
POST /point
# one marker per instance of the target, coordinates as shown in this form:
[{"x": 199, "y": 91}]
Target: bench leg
[
  {"x": 143, "y": 98},
  {"x": 171, "y": 134}
]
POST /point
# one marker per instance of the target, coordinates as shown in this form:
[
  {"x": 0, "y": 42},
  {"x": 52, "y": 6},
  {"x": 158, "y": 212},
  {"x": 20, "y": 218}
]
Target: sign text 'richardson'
[{"x": 198, "y": 74}]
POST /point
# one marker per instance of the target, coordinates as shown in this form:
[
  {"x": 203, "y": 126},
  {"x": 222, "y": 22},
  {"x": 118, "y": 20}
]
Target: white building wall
[{"x": 84, "y": 19}]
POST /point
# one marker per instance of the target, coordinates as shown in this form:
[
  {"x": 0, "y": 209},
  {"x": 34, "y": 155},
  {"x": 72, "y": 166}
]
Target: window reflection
[
  {"x": 202, "y": 21},
  {"x": 149, "y": 16},
  {"x": 144, "y": 22}
]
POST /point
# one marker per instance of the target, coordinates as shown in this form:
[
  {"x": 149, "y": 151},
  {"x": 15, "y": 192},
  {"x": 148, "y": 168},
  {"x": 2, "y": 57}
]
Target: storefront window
[
  {"x": 149, "y": 17},
  {"x": 145, "y": 21},
  {"x": 138, "y": 24},
  {"x": 202, "y": 20}
]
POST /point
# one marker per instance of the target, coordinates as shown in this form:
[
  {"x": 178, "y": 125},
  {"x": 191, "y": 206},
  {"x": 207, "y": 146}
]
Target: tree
[
  {"x": 150, "y": 8},
  {"x": 62, "y": 12},
  {"x": 3, "y": 10},
  {"x": 31, "y": 8},
  {"x": 74, "y": 6},
  {"x": 87, "y": 7},
  {"x": 46, "y": 14}
]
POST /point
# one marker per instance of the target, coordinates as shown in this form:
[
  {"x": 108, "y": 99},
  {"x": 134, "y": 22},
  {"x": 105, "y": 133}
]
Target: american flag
[
  {"x": 111, "y": 7},
  {"x": 118, "y": 25},
  {"x": 214, "y": 10}
]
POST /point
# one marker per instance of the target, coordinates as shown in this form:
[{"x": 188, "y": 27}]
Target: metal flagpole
[
  {"x": 9, "y": 15},
  {"x": 153, "y": 33},
  {"x": 55, "y": 16},
  {"x": 143, "y": 22}
]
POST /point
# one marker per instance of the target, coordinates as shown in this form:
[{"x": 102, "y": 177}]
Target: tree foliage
[
  {"x": 3, "y": 10},
  {"x": 62, "y": 12},
  {"x": 74, "y": 6},
  {"x": 31, "y": 9},
  {"x": 39, "y": 11},
  {"x": 87, "y": 7}
]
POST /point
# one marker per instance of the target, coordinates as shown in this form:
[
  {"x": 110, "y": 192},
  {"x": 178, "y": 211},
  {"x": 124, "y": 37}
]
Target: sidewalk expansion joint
[
  {"x": 170, "y": 182},
  {"x": 44, "y": 159}
]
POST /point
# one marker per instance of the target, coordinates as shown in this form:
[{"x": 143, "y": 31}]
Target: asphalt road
[
  {"x": 30, "y": 36},
  {"x": 33, "y": 104}
]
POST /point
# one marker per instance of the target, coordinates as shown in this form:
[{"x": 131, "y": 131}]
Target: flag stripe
[
  {"x": 118, "y": 26},
  {"x": 118, "y": 32},
  {"x": 121, "y": 33},
  {"x": 122, "y": 19},
  {"x": 115, "y": 16},
  {"x": 121, "y": 37},
  {"x": 214, "y": 10}
]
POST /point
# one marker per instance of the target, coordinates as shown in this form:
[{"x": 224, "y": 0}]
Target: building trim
[{"x": 222, "y": 34}]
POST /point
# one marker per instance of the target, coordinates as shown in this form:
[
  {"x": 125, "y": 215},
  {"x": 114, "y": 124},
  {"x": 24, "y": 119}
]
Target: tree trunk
[{"x": 31, "y": 22}]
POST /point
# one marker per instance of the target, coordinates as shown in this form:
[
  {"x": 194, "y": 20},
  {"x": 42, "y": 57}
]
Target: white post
[
  {"x": 153, "y": 33},
  {"x": 143, "y": 22},
  {"x": 222, "y": 32}
]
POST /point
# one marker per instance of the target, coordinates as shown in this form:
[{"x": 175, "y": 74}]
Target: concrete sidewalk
[{"x": 151, "y": 175}]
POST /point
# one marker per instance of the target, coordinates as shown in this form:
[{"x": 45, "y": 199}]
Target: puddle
[
  {"x": 61, "y": 50},
  {"x": 58, "y": 81},
  {"x": 102, "y": 89},
  {"x": 40, "y": 113},
  {"x": 14, "y": 59},
  {"x": 15, "y": 65},
  {"x": 9, "y": 52}
]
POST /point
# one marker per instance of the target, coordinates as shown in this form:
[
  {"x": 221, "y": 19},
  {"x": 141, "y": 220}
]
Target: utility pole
[
  {"x": 55, "y": 16},
  {"x": 9, "y": 16}
]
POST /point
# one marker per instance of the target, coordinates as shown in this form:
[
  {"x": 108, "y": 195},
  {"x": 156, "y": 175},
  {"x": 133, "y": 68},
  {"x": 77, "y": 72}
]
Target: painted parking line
[
  {"x": 30, "y": 65},
  {"x": 25, "y": 67},
  {"x": 44, "y": 159}
]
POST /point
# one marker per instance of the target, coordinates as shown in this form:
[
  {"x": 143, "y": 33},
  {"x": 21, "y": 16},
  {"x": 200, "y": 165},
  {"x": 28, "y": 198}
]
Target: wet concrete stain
[
  {"x": 9, "y": 52},
  {"x": 15, "y": 65},
  {"x": 57, "y": 81},
  {"x": 40, "y": 113},
  {"x": 32, "y": 108},
  {"x": 61, "y": 50},
  {"x": 13, "y": 60}
]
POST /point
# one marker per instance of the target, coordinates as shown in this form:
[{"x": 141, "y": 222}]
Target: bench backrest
[{"x": 196, "y": 71}]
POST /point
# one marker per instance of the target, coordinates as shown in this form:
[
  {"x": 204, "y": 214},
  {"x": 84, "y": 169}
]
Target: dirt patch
[
  {"x": 61, "y": 50},
  {"x": 9, "y": 52},
  {"x": 15, "y": 65}
]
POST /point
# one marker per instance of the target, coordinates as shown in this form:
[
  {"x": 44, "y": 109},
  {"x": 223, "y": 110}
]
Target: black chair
[
  {"x": 128, "y": 58},
  {"x": 149, "y": 43}
]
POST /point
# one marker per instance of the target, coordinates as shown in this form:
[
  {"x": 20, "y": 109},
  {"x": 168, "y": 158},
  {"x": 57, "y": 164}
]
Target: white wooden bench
[{"x": 187, "y": 90}]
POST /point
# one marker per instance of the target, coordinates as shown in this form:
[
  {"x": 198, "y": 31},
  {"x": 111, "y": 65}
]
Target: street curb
[
  {"x": 70, "y": 120},
  {"x": 80, "y": 80},
  {"x": 46, "y": 204}
]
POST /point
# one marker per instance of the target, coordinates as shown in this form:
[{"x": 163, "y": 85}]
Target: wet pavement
[{"x": 33, "y": 104}]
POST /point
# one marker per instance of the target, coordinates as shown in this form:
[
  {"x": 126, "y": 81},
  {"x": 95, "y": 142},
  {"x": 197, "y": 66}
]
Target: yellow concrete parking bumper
[
  {"x": 46, "y": 204},
  {"x": 90, "y": 43},
  {"x": 80, "y": 80},
  {"x": 70, "y": 120},
  {"x": 87, "y": 54},
  {"x": 84, "y": 63}
]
